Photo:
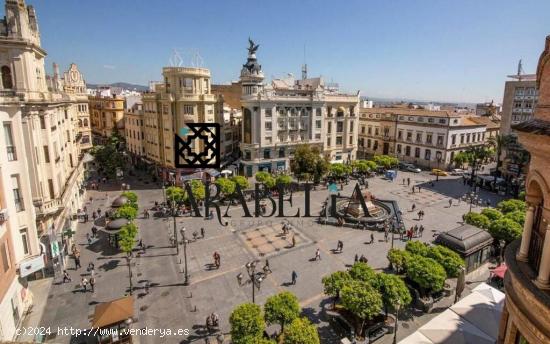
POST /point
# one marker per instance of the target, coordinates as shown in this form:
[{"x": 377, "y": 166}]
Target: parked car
[
  {"x": 457, "y": 172},
  {"x": 409, "y": 167},
  {"x": 439, "y": 172}
]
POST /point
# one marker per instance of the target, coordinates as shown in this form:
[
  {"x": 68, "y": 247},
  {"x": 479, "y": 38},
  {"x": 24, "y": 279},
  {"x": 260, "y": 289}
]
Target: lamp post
[
  {"x": 186, "y": 280},
  {"x": 255, "y": 281},
  {"x": 164, "y": 193},
  {"x": 471, "y": 197},
  {"x": 438, "y": 158},
  {"x": 396, "y": 322},
  {"x": 174, "y": 214}
]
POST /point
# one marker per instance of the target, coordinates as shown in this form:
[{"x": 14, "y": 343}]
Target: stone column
[
  {"x": 526, "y": 235},
  {"x": 543, "y": 279}
]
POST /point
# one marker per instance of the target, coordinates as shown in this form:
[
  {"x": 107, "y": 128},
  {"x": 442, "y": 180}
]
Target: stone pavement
[{"x": 169, "y": 304}]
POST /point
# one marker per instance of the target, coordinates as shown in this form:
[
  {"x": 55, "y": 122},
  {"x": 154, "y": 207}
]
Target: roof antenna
[
  {"x": 520, "y": 69},
  {"x": 304, "y": 66}
]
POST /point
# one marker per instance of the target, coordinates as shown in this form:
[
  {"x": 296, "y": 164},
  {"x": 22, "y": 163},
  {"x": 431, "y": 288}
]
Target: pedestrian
[
  {"x": 318, "y": 254},
  {"x": 202, "y": 232},
  {"x": 363, "y": 259},
  {"x": 98, "y": 212},
  {"x": 418, "y": 189},
  {"x": 294, "y": 276},
  {"x": 339, "y": 246},
  {"x": 386, "y": 235},
  {"x": 403, "y": 181},
  {"x": 421, "y": 229},
  {"x": 217, "y": 260},
  {"x": 92, "y": 283},
  {"x": 422, "y": 212},
  {"x": 94, "y": 231},
  {"x": 84, "y": 284},
  {"x": 415, "y": 230},
  {"x": 413, "y": 207},
  {"x": 371, "y": 238},
  {"x": 66, "y": 276},
  {"x": 450, "y": 202},
  {"x": 240, "y": 278},
  {"x": 409, "y": 182},
  {"x": 90, "y": 267},
  {"x": 356, "y": 259},
  {"x": 266, "y": 266},
  {"x": 77, "y": 262},
  {"x": 413, "y": 189},
  {"x": 293, "y": 240},
  {"x": 94, "y": 215},
  {"x": 88, "y": 238}
]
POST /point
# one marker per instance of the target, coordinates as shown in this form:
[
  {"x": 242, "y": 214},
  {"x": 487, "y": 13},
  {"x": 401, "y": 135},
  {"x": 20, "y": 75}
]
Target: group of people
[{"x": 413, "y": 232}]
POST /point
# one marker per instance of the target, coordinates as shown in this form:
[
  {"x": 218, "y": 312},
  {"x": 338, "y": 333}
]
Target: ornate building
[
  {"x": 41, "y": 160},
  {"x": 526, "y": 317},
  {"x": 287, "y": 113}
]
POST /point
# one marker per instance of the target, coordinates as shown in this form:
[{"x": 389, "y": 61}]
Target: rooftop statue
[{"x": 252, "y": 47}]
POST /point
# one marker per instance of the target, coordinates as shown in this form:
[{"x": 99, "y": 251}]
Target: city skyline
[{"x": 439, "y": 52}]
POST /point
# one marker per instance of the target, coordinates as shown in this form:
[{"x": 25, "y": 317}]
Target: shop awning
[
  {"x": 114, "y": 312},
  {"x": 500, "y": 270}
]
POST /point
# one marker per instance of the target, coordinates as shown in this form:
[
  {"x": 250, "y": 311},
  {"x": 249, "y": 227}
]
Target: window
[
  {"x": 188, "y": 109},
  {"x": 417, "y": 152},
  {"x": 351, "y": 140},
  {"x": 10, "y": 147},
  {"x": 281, "y": 152},
  {"x": 467, "y": 138},
  {"x": 268, "y": 113},
  {"x": 188, "y": 83},
  {"x": 461, "y": 138},
  {"x": 398, "y": 149},
  {"x": 361, "y": 142},
  {"x": 339, "y": 127},
  {"x": 42, "y": 122},
  {"x": 318, "y": 111},
  {"x": 329, "y": 129},
  {"x": 427, "y": 154},
  {"x": 409, "y": 135},
  {"x": 268, "y": 126},
  {"x": 400, "y": 134},
  {"x": 267, "y": 154},
  {"x": 7, "y": 81},
  {"x": 408, "y": 150},
  {"x": 430, "y": 120},
  {"x": 351, "y": 126},
  {"x": 51, "y": 189},
  {"x": 369, "y": 130},
  {"x": 25, "y": 241},
  {"x": 453, "y": 139},
  {"x": 418, "y": 137},
  {"x": 440, "y": 140},
  {"x": 17, "y": 197},
  {"x": 376, "y": 131},
  {"x": 318, "y": 124},
  {"x": 329, "y": 142},
  {"x": 5, "y": 257},
  {"x": 442, "y": 121},
  {"x": 375, "y": 145},
  {"x": 362, "y": 129},
  {"x": 338, "y": 140},
  {"x": 368, "y": 143},
  {"x": 317, "y": 136}
]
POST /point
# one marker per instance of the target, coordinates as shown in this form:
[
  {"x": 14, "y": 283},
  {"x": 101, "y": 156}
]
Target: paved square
[{"x": 268, "y": 240}]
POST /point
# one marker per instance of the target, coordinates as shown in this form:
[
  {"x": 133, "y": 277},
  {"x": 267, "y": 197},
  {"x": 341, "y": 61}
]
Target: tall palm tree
[
  {"x": 499, "y": 143},
  {"x": 476, "y": 156}
]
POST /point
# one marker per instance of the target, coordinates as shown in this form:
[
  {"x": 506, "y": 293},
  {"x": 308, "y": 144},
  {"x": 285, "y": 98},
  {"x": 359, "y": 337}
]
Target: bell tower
[{"x": 21, "y": 22}]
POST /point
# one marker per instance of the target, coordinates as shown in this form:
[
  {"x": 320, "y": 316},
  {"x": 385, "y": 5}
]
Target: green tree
[
  {"x": 109, "y": 156},
  {"x": 247, "y": 324},
  {"x": 451, "y": 261},
  {"x": 362, "y": 299},
  {"x": 227, "y": 186},
  {"x": 132, "y": 198},
  {"x": 126, "y": 242},
  {"x": 385, "y": 161},
  {"x": 241, "y": 181},
  {"x": 517, "y": 216},
  {"x": 333, "y": 283},
  {"x": 511, "y": 205},
  {"x": 265, "y": 178},
  {"x": 505, "y": 229},
  {"x": 460, "y": 159},
  {"x": 127, "y": 211},
  {"x": 301, "y": 331},
  {"x": 427, "y": 273},
  {"x": 308, "y": 160},
  {"x": 499, "y": 143},
  {"x": 476, "y": 156},
  {"x": 398, "y": 259},
  {"x": 339, "y": 170},
  {"x": 281, "y": 309},
  {"x": 174, "y": 194},
  {"x": 417, "y": 247},
  {"x": 362, "y": 272},
  {"x": 284, "y": 180},
  {"x": 476, "y": 219},
  {"x": 198, "y": 189},
  {"x": 393, "y": 290},
  {"x": 491, "y": 213}
]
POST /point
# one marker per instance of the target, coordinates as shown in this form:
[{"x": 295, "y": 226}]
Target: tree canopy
[
  {"x": 362, "y": 299},
  {"x": 385, "y": 161},
  {"x": 417, "y": 247},
  {"x": 241, "y": 181},
  {"x": 334, "y": 282},
  {"x": 127, "y": 238},
  {"x": 227, "y": 186},
  {"x": 127, "y": 211},
  {"x": 301, "y": 331},
  {"x": 308, "y": 160},
  {"x": 281, "y": 309},
  {"x": 505, "y": 229},
  {"x": 511, "y": 205},
  {"x": 427, "y": 273},
  {"x": 362, "y": 272},
  {"x": 491, "y": 213},
  {"x": 451, "y": 261},
  {"x": 247, "y": 324},
  {"x": 398, "y": 259},
  {"x": 393, "y": 290},
  {"x": 476, "y": 219}
]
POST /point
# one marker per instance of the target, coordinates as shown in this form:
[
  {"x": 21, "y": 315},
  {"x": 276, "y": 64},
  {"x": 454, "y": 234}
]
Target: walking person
[
  {"x": 371, "y": 238},
  {"x": 318, "y": 255},
  {"x": 92, "y": 283},
  {"x": 77, "y": 262},
  {"x": 356, "y": 259},
  {"x": 421, "y": 229},
  {"x": 84, "y": 284},
  {"x": 422, "y": 213},
  {"x": 202, "y": 232},
  {"x": 66, "y": 276},
  {"x": 450, "y": 202},
  {"x": 409, "y": 183},
  {"x": 94, "y": 215},
  {"x": 413, "y": 207},
  {"x": 294, "y": 276},
  {"x": 293, "y": 240},
  {"x": 266, "y": 267},
  {"x": 339, "y": 246}
]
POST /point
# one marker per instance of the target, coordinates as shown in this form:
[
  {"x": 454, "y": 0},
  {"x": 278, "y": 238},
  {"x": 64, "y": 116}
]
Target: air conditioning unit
[{"x": 3, "y": 215}]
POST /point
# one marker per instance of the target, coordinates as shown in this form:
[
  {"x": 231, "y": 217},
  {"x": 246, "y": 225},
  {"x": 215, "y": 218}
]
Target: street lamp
[
  {"x": 186, "y": 280},
  {"x": 438, "y": 158},
  {"x": 471, "y": 197},
  {"x": 164, "y": 193},
  {"x": 396, "y": 321},
  {"x": 255, "y": 280},
  {"x": 174, "y": 214}
]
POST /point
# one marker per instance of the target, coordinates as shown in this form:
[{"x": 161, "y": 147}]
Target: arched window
[
  {"x": 80, "y": 123},
  {"x": 7, "y": 81},
  {"x": 85, "y": 122}
]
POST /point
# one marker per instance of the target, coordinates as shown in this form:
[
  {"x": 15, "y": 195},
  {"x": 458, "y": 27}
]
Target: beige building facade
[
  {"x": 41, "y": 160},
  {"x": 526, "y": 316},
  {"x": 107, "y": 116}
]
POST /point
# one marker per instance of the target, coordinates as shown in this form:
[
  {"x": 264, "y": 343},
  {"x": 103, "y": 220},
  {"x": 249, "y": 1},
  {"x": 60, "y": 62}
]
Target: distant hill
[{"x": 124, "y": 85}]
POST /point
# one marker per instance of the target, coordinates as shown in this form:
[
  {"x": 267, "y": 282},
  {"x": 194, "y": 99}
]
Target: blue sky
[{"x": 457, "y": 50}]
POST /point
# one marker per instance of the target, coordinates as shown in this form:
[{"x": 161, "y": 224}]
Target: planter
[
  {"x": 425, "y": 303},
  {"x": 390, "y": 323},
  {"x": 447, "y": 290}
]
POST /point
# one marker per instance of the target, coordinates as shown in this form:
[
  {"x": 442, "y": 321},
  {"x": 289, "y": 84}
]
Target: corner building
[{"x": 276, "y": 118}]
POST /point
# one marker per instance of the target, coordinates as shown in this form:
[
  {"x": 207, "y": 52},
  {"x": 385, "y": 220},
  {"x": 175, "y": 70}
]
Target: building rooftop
[
  {"x": 489, "y": 123},
  {"x": 411, "y": 112}
]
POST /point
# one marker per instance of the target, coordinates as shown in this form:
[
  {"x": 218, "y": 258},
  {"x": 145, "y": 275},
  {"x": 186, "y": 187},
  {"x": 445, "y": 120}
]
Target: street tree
[
  {"x": 265, "y": 178},
  {"x": 132, "y": 198},
  {"x": 241, "y": 181},
  {"x": 511, "y": 205},
  {"x": 308, "y": 160},
  {"x": 398, "y": 259},
  {"x": 476, "y": 219},
  {"x": 247, "y": 324},
  {"x": 460, "y": 159},
  {"x": 339, "y": 170},
  {"x": 516, "y": 216},
  {"x": 127, "y": 211},
  {"x": 505, "y": 229},
  {"x": 301, "y": 331},
  {"x": 175, "y": 194},
  {"x": 428, "y": 274},
  {"x": 362, "y": 272},
  {"x": 393, "y": 290},
  {"x": 126, "y": 242},
  {"x": 449, "y": 259},
  {"x": 417, "y": 247},
  {"x": 333, "y": 283},
  {"x": 284, "y": 180},
  {"x": 491, "y": 213},
  {"x": 362, "y": 299},
  {"x": 227, "y": 186},
  {"x": 197, "y": 188},
  {"x": 281, "y": 309}
]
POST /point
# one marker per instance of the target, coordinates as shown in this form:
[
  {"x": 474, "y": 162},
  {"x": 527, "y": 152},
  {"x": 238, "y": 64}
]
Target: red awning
[{"x": 500, "y": 270}]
